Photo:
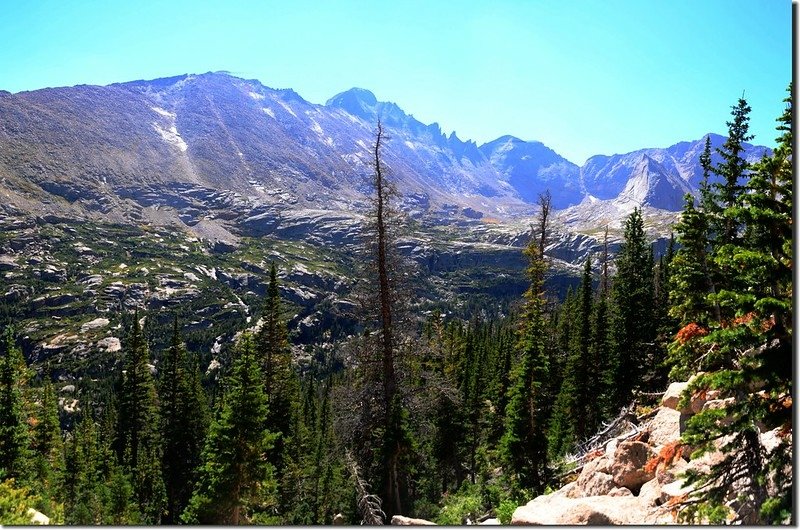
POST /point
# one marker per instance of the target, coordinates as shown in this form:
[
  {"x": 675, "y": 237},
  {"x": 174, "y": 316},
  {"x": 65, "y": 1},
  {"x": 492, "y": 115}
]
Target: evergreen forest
[{"x": 442, "y": 416}]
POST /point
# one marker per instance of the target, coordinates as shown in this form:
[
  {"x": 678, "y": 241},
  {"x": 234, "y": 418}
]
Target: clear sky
[{"x": 584, "y": 76}]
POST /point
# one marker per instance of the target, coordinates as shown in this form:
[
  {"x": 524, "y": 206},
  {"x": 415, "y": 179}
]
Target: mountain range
[{"x": 217, "y": 148}]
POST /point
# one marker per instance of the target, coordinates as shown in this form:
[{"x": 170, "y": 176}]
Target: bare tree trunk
[
  {"x": 387, "y": 339},
  {"x": 392, "y": 494},
  {"x": 545, "y": 203},
  {"x": 604, "y": 266}
]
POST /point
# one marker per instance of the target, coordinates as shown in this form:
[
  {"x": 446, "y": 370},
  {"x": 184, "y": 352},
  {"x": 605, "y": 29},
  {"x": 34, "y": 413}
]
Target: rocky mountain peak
[{"x": 356, "y": 101}]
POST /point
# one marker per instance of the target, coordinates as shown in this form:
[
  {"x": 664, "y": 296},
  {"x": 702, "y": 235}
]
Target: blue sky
[{"x": 584, "y": 77}]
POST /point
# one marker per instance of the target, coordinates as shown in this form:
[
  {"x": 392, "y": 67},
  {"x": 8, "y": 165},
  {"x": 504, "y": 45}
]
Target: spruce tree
[
  {"x": 753, "y": 345},
  {"x": 576, "y": 412},
  {"x": 281, "y": 384},
  {"x": 84, "y": 502},
  {"x": 690, "y": 285},
  {"x": 48, "y": 449},
  {"x": 602, "y": 354},
  {"x": 138, "y": 434},
  {"x": 98, "y": 491},
  {"x": 14, "y": 438},
  {"x": 184, "y": 421},
  {"x": 733, "y": 169},
  {"x": 234, "y": 483},
  {"x": 633, "y": 325},
  {"x": 523, "y": 447}
]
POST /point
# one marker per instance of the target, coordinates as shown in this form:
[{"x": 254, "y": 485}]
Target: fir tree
[
  {"x": 234, "y": 482},
  {"x": 576, "y": 412}
]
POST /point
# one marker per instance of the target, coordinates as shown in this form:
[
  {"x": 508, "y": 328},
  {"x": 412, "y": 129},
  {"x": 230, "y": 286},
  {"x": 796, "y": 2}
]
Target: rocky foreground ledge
[{"x": 635, "y": 478}]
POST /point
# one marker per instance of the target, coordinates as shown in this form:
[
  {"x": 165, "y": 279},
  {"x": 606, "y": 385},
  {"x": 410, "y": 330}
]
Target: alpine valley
[{"x": 179, "y": 192}]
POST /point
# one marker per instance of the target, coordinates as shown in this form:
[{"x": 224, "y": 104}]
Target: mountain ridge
[{"x": 117, "y": 149}]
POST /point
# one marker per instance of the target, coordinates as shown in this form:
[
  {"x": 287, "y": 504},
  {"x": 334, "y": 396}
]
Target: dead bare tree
[
  {"x": 369, "y": 505},
  {"x": 378, "y": 439}
]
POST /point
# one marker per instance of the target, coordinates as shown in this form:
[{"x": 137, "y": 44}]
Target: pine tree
[
  {"x": 139, "y": 425},
  {"x": 184, "y": 422},
  {"x": 14, "y": 439},
  {"x": 384, "y": 445},
  {"x": 523, "y": 447},
  {"x": 234, "y": 482}
]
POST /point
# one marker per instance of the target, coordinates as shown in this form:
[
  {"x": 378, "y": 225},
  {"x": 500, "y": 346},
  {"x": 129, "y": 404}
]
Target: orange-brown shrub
[
  {"x": 668, "y": 454},
  {"x": 690, "y": 331}
]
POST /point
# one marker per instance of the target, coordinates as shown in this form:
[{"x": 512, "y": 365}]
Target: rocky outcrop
[
  {"x": 629, "y": 468},
  {"x": 638, "y": 478},
  {"x": 402, "y": 520}
]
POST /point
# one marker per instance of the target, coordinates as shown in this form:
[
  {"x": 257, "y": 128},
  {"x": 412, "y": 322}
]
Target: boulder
[
  {"x": 338, "y": 519},
  {"x": 673, "y": 395},
  {"x": 594, "y": 479},
  {"x": 554, "y": 510},
  {"x": 720, "y": 404},
  {"x": 628, "y": 466},
  {"x": 94, "y": 324},
  {"x": 402, "y": 520},
  {"x": 665, "y": 427},
  {"x": 620, "y": 492},
  {"x": 110, "y": 344},
  {"x": 8, "y": 263},
  {"x": 611, "y": 447},
  {"x": 673, "y": 472},
  {"x": 771, "y": 439},
  {"x": 38, "y": 517},
  {"x": 650, "y": 493},
  {"x": 674, "y": 492},
  {"x": 491, "y": 520}
]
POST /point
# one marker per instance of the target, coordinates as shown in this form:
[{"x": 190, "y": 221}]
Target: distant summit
[{"x": 357, "y": 101}]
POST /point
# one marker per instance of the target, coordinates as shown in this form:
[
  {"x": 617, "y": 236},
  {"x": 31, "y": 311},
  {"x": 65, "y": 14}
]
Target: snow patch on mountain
[
  {"x": 171, "y": 136},
  {"x": 165, "y": 113},
  {"x": 316, "y": 127},
  {"x": 286, "y": 107}
]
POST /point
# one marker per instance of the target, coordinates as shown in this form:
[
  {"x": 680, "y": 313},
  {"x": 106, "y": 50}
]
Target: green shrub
[
  {"x": 465, "y": 503},
  {"x": 506, "y": 510}
]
